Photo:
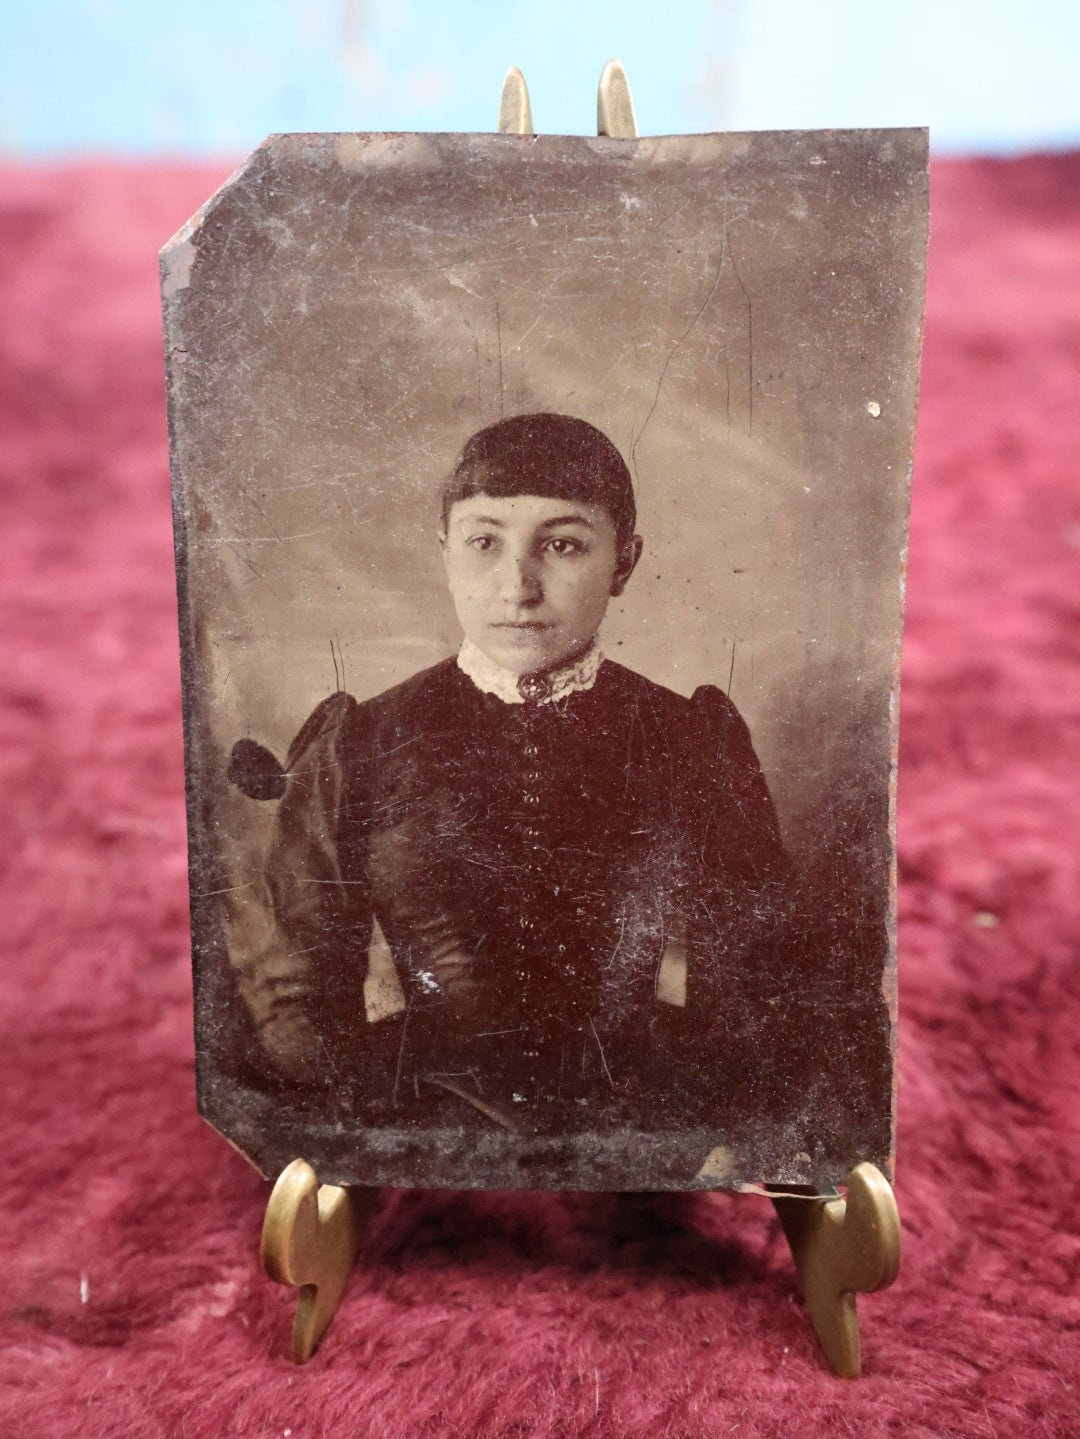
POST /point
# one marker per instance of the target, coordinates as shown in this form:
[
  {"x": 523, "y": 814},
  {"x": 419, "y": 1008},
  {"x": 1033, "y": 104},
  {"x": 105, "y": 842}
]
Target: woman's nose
[{"x": 521, "y": 583}]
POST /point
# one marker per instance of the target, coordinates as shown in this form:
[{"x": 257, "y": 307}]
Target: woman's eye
[
  {"x": 563, "y": 545},
  {"x": 481, "y": 542}
]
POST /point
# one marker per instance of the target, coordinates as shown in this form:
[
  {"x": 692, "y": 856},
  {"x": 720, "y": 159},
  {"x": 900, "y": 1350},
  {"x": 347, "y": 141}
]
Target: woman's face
[{"x": 531, "y": 577}]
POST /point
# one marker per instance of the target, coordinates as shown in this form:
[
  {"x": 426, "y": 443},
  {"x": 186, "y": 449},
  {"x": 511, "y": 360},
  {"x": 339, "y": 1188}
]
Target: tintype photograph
[{"x": 541, "y": 511}]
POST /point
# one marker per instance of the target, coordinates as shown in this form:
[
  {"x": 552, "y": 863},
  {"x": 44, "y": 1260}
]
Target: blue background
[{"x": 213, "y": 77}]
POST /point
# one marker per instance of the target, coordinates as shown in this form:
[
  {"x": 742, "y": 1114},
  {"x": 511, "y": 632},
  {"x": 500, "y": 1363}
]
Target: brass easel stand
[
  {"x": 840, "y": 1247},
  {"x": 309, "y": 1239}
]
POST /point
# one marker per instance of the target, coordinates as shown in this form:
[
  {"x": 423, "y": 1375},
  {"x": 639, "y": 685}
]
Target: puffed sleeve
[{"x": 312, "y": 1010}]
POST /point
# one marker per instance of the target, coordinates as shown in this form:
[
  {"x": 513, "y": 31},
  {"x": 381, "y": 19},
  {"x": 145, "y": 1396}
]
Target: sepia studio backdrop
[{"x": 741, "y": 314}]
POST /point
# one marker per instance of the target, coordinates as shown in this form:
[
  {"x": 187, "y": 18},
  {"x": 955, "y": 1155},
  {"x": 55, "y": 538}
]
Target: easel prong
[
  {"x": 842, "y": 1247},
  {"x": 614, "y": 105},
  {"x": 515, "y": 112},
  {"x": 309, "y": 1239}
]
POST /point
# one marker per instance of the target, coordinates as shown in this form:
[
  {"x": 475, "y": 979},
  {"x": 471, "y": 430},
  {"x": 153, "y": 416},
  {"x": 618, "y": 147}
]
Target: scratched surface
[{"x": 741, "y": 314}]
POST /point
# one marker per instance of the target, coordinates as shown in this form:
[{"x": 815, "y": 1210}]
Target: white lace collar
[{"x": 543, "y": 688}]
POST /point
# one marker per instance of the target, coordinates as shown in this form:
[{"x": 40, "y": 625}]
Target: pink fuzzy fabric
[{"x": 132, "y": 1302}]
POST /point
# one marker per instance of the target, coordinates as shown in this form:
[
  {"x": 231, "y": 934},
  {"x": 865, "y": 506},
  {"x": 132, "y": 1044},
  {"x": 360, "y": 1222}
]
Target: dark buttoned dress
[{"x": 584, "y": 899}]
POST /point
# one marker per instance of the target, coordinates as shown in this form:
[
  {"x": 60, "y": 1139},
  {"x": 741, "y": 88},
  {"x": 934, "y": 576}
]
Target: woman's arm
[{"x": 310, "y": 1010}]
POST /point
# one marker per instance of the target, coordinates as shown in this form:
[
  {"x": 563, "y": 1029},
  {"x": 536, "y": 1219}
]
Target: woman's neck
[{"x": 541, "y": 688}]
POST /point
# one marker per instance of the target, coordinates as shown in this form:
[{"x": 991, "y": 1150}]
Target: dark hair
[{"x": 549, "y": 455}]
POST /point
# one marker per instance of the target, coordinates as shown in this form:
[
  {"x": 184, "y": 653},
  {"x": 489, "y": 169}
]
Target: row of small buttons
[{"x": 531, "y": 797}]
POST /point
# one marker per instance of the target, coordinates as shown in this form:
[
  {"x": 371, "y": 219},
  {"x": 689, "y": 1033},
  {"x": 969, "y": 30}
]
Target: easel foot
[
  {"x": 309, "y": 1240},
  {"x": 841, "y": 1248}
]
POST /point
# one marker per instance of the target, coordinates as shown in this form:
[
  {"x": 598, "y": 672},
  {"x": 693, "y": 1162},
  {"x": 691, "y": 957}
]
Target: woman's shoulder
[
  {"x": 412, "y": 712},
  {"x": 343, "y": 716},
  {"x": 704, "y": 734},
  {"x": 707, "y": 707},
  {"x": 418, "y": 695}
]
